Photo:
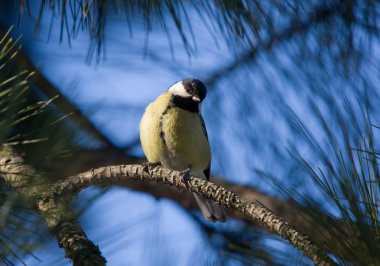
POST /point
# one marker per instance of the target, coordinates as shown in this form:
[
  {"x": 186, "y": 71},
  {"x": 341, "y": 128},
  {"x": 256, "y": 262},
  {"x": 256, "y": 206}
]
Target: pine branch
[
  {"x": 254, "y": 212},
  {"x": 70, "y": 235},
  {"x": 281, "y": 207},
  {"x": 51, "y": 201},
  {"x": 54, "y": 210}
]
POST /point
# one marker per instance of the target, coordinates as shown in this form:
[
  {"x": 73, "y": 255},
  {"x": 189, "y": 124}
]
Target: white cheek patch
[{"x": 179, "y": 90}]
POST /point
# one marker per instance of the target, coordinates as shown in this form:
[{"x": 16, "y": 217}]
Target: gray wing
[
  {"x": 203, "y": 126},
  {"x": 207, "y": 170}
]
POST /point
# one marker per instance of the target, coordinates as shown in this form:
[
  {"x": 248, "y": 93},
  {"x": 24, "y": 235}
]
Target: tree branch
[
  {"x": 254, "y": 212},
  {"x": 281, "y": 207},
  {"x": 54, "y": 210},
  {"x": 70, "y": 235}
]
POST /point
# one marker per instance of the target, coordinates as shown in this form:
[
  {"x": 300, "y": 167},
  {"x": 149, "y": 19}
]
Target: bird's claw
[
  {"x": 147, "y": 165},
  {"x": 185, "y": 175}
]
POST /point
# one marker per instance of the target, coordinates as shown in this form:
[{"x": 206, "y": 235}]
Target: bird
[{"x": 173, "y": 134}]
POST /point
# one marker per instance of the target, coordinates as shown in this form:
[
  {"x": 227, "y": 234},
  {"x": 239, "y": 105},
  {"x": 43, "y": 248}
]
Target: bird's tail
[{"x": 211, "y": 210}]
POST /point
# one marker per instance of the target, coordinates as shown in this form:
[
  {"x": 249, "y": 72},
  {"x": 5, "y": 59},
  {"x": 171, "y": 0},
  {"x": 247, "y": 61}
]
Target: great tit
[{"x": 173, "y": 133}]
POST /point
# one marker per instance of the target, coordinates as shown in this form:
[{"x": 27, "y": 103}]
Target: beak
[{"x": 196, "y": 99}]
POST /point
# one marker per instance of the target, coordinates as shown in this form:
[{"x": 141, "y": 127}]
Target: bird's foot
[
  {"x": 147, "y": 165},
  {"x": 185, "y": 175}
]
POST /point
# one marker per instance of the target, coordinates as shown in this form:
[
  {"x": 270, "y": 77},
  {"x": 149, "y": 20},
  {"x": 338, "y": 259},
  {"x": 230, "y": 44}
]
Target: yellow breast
[
  {"x": 185, "y": 139},
  {"x": 150, "y": 129},
  {"x": 181, "y": 144}
]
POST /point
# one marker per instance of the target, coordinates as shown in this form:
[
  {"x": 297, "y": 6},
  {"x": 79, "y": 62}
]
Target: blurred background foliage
[
  {"x": 292, "y": 111},
  {"x": 21, "y": 229}
]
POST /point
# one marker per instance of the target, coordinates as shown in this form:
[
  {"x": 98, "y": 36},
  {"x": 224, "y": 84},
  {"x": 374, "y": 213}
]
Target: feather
[{"x": 177, "y": 138}]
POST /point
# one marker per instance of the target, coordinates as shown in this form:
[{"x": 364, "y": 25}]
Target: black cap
[{"x": 195, "y": 87}]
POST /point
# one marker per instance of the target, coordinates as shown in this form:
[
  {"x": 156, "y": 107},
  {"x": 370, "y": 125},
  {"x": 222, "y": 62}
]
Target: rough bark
[
  {"x": 286, "y": 209},
  {"x": 289, "y": 211},
  {"x": 147, "y": 173},
  {"x": 70, "y": 235},
  {"x": 51, "y": 201},
  {"x": 58, "y": 217}
]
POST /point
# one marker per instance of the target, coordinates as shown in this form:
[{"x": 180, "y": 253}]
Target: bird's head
[{"x": 189, "y": 89}]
